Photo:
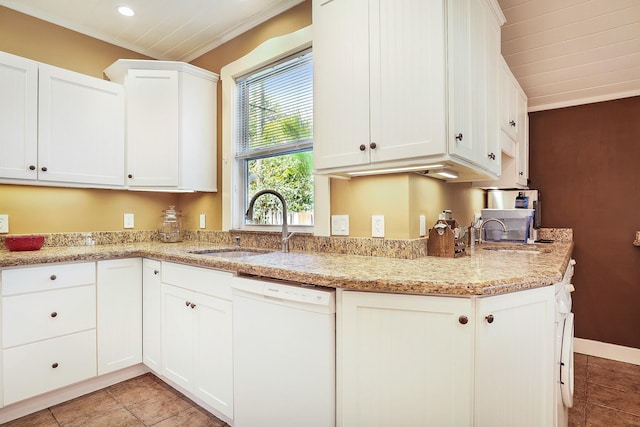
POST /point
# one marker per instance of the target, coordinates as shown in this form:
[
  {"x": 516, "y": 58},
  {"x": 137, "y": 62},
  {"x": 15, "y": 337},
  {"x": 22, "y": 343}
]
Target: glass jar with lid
[{"x": 170, "y": 226}]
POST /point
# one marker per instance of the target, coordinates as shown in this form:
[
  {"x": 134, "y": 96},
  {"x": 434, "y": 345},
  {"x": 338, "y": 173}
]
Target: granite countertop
[{"x": 481, "y": 272}]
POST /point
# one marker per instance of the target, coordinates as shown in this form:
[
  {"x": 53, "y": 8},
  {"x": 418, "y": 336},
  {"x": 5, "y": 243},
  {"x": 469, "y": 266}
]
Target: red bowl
[{"x": 24, "y": 243}]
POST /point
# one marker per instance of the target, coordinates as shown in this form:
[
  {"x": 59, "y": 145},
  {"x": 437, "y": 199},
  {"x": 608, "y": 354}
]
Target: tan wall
[
  {"x": 400, "y": 198},
  {"x": 34, "y": 209},
  {"x": 44, "y": 42}
]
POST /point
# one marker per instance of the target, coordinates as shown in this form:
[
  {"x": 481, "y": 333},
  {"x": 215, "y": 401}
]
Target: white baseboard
[{"x": 607, "y": 351}]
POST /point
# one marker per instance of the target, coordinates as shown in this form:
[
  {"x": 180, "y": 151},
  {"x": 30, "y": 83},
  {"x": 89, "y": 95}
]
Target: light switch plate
[
  {"x": 423, "y": 226},
  {"x": 128, "y": 220},
  {"x": 203, "y": 221},
  {"x": 377, "y": 226},
  {"x": 4, "y": 223},
  {"x": 340, "y": 225}
]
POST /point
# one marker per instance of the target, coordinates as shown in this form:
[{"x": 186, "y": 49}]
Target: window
[{"x": 274, "y": 139}]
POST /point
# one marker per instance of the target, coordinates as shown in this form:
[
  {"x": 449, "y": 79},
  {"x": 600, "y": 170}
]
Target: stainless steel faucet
[
  {"x": 480, "y": 237},
  {"x": 285, "y": 229}
]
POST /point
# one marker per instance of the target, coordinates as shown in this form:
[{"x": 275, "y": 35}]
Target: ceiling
[
  {"x": 176, "y": 30},
  {"x": 568, "y": 52},
  {"x": 563, "y": 52}
]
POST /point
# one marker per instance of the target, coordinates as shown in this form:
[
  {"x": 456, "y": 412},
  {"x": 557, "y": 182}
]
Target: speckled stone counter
[{"x": 484, "y": 271}]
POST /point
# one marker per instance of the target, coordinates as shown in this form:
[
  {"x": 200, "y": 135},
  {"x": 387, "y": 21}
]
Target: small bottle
[{"x": 522, "y": 201}]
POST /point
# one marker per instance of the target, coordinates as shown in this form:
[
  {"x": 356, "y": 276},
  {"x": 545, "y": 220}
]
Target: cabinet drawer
[
  {"x": 36, "y": 368},
  {"x": 33, "y": 317},
  {"x": 47, "y": 277},
  {"x": 215, "y": 283}
]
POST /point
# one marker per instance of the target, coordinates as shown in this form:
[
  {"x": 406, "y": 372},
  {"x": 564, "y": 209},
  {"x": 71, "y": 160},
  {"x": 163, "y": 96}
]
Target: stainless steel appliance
[
  {"x": 519, "y": 210},
  {"x": 506, "y": 199}
]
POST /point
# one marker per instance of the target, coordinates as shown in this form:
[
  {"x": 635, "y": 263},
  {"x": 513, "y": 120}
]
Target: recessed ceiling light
[{"x": 126, "y": 11}]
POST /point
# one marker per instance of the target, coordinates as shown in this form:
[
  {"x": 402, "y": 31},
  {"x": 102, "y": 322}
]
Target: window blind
[{"x": 275, "y": 108}]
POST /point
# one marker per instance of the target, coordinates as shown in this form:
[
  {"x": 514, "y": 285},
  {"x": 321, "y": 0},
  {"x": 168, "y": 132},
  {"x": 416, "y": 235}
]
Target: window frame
[{"x": 267, "y": 53}]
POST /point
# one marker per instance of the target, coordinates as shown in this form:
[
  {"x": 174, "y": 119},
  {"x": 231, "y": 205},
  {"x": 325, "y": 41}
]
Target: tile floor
[
  {"x": 141, "y": 401},
  {"x": 606, "y": 394}
]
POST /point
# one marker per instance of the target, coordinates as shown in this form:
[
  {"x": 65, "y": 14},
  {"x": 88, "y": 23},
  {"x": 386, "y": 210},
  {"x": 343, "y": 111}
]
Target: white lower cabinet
[
  {"x": 404, "y": 360},
  {"x": 119, "y": 314},
  {"x": 48, "y": 328},
  {"x": 43, "y": 366},
  {"x": 514, "y": 367},
  {"x": 445, "y": 361},
  {"x": 196, "y": 333},
  {"x": 151, "y": 315}
]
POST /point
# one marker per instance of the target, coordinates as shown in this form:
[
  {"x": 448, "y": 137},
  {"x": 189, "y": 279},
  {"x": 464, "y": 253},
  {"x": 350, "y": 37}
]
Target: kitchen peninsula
[
  {"x": 436, "y": 330},
  {"x": 487, "y": 270}
]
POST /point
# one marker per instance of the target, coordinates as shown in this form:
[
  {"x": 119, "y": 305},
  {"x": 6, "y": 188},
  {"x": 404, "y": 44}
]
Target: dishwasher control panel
[{"x": 296, "y": 293}]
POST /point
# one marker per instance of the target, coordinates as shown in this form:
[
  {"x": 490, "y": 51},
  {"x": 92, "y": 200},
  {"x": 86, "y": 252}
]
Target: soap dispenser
[{"x": 169, "y": 231}]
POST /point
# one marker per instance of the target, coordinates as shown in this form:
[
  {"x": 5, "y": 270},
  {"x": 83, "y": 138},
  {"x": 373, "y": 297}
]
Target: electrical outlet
[
  {"x": 340, "y": 225},
  {"x": 423, "y": 226},
  {"x": 4, "y": 223},
  {"x": 128, "y": 220},
  {"x": 203, "y": 221},
  {"x": 377, "y": 226}
]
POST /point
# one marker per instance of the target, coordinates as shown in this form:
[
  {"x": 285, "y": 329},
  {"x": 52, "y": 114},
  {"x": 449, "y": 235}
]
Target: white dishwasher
[{"x": 284, "y": 354}]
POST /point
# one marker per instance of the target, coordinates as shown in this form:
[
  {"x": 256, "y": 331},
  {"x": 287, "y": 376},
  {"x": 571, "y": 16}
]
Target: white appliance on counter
[
  {"x": 563, "y": 389},
  {"x": 284, "y": 354}
]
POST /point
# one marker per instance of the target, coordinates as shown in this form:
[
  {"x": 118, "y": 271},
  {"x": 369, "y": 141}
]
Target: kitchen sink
[{"x": 232, "y": 252}]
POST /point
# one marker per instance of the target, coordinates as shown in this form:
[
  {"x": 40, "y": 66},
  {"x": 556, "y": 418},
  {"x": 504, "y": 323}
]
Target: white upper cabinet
[
  {"x": 81, "y": 128},
  {"x": 388, "y": 93},
  {"x": 58, "y": 126},
  {"x": 171, "y": 124},
  {"x": 514, "y": 132},
  {"x": 373, "y": 91},
  {"x": 18, "y": 117}
]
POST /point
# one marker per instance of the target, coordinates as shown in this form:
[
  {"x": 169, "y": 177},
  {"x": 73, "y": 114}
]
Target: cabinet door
[
  {"x": 473, "y": 49},
  {"x": 119, "y": 314},
  {"x": 213, "y": 382},
  {"x": 198, "y": 148},
  {"x": 404, "y": 360},
  {"x": 341, "y": 83},
  {"x": 407, "y": 79},
  {"x": 515, "y": 347},
  {"x": 177, "y": 336},
  {"x": 460, "y": 70},
  {"x": 509, "y": 105},
  {"x": 152, "y": 128},
  {"x": 36, "y": 368},
  {"x": 37, "y": 316},
  {"x": 493, "y": 152},
  {"x": 18, "y": 117},
  {"x": 151, "y": 315},
  {"x": 522, "y": 141},
  {"x": 81, "y": 128}
]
